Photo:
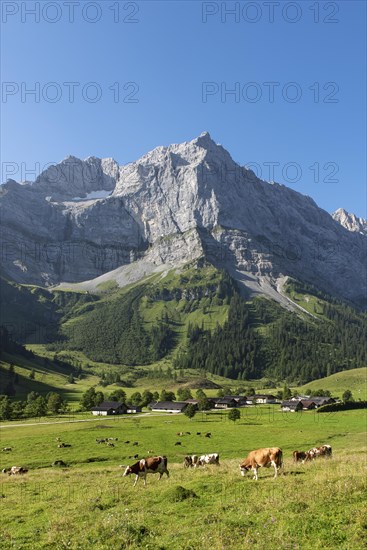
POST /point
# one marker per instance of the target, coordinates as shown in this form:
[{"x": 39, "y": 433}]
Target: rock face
[
  {"x": 350, "y": 221},
  {"x": 81, "y": 220}
]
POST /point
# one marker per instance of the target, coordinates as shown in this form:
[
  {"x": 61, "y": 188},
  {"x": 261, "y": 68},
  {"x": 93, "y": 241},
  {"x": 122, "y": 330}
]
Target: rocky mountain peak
[
  {"x": 176, "y": 204},
  {"x": 350, "y": 221}
]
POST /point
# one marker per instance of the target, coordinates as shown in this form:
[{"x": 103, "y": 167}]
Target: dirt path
[{"x": 72, "y": 421}]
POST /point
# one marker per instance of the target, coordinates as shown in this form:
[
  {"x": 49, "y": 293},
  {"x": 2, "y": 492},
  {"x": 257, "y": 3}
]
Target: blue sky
[{"x": 180, "y": 58}]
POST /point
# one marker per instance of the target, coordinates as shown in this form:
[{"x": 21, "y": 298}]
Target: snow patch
[{"x": 93, "y": 195}]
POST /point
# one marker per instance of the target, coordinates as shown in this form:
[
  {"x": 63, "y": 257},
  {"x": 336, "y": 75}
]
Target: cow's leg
[
  {"x": 136, "y": 480},
  {"x": 255, "y": 472},
  {"x": 145, "y": 479},
  {"x": 275, "y": 468},
  {"x": 160, "y": 476},
  {"x": 167, "y": 472}
]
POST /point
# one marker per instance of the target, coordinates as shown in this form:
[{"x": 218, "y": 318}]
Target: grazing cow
[
  {"x": 179, "y": 433},
  {"x": 17, "y": 470},
  {"x": 101, "y": 440},
  {"x": 110, "y": 444},
  {"x": 7, "y": 449},
  {"x": 57, "y": 439},
  {"x": 127, "y": 442},
  {"x": 212, "y": 458},
  {"x": 188, "y": 433},
  {"x": 135, "y": 444},
  {"x": 134, "y": 456},
  {"x": 262, "y": 458},
  {"x": 208, "y": 434},
  {"x": 178, "y": 443},
  {"x": 58, "y": 463},
  {"x": 299, "y": 456},
  {"x": 190, "y": 461},
  {"x": 63, "y": 445},
  {"x": 150, "y": 465},
  {"x": 324, "y": 450},
  {"x": 198, "y": 433}
]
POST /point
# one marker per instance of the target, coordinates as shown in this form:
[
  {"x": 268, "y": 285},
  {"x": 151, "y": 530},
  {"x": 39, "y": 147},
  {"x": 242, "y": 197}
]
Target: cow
[
  {"x": 101, "y": 440},
  {"x": 315, "y": 452},
  {"x": 299, "y": 456},
  {"x": 198, "y": 433},
  {"x": 262, "y": 458},
  {"x": 64, "y": 445},
  {"x": 150, "y": 465},
  {"x": 178, "y": 443},
  {"x": 134, "y": 456},
  {"x": 190, "y": 461},
  {"x": 179, "y": 433},
  {"x": 188, "y": 433},
  {"x": 110, "y": 444},
  {"x": 135, "y": 444},
  {"x": 7, "y": 449},
  {"x": 212, "y": 458},
  {"x": 17, "y": 470},
  {"x": 208, "y": 434}
]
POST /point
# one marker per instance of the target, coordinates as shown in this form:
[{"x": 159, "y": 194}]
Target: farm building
[
  {"x": 131, "y": 409},
  {"x": 225, "y": 403},
  {"x": 169, "y": 406},
  {"x": 263, "y": 399},
  {"x": 308, "y": 405},
  {"x": 240, "y": 400},
  {"x": 291, "y": 406},
  {"x": 108, "y": 408}
]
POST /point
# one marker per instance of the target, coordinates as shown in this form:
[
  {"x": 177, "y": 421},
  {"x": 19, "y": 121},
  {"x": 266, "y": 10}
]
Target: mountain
[
  {"x": 92, "y": 221},
  {"x": 350, "y": 221}
]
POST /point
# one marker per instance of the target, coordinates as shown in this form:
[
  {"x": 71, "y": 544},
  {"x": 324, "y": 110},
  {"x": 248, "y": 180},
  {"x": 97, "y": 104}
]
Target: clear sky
[{"x": 162, "y": 73}]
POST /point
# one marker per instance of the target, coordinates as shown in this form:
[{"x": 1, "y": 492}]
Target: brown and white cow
[
  {"x": 212, "y": 458},
  {"x": 150, "y": 465},
  {"x": 270, "y": 456},
  {"x": 324, "y": 450},
  {"x": 190, "y": 461},
  {"x": 299, "y": 456}
]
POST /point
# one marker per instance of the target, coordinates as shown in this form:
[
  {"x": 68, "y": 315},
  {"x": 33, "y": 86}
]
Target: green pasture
[{"x": 89, "y": 504}]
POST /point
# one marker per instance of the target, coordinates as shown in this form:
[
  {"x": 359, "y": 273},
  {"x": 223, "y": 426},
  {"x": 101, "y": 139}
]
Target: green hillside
[
  {"x": 354, "y": 380},
  {"x": 193, "y": 319}
]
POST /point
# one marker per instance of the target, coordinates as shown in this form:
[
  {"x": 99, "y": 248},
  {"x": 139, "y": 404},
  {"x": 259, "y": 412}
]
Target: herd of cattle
[{"x": 259, "y": 458}]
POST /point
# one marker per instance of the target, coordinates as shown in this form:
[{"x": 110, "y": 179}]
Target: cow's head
[
  {"x": 244, "y": 469},
  {"x": 128, "y": 471}
]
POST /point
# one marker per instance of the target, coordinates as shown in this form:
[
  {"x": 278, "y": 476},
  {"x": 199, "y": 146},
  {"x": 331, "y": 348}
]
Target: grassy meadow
[{"x": 89, "y": 504}]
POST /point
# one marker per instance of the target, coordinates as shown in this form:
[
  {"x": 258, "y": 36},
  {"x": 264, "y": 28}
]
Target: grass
[{"x": 89, "y": 504}]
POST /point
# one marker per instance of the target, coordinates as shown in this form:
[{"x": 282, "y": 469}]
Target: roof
[
  {"x": 173, "y": 405},
  {"x": 107, "y": 405},
  {"x": 322, "y": 399}
]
